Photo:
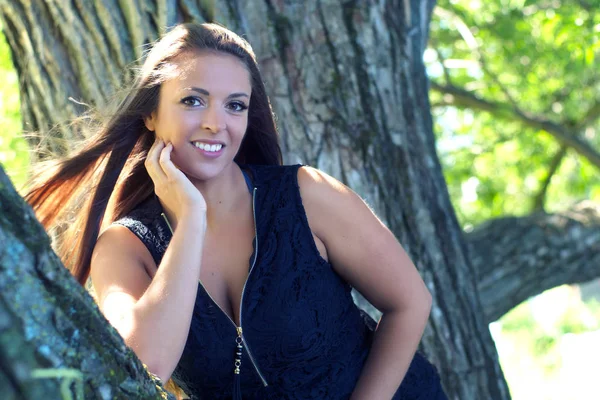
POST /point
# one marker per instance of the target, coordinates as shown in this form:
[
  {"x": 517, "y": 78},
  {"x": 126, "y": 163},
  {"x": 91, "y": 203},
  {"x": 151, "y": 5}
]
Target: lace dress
[{"x": 302, "y": 335}]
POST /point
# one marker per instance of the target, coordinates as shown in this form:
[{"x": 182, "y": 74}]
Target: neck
[
  {"x": 225, "y": 195},
  {"x": 223, "y": 191}
]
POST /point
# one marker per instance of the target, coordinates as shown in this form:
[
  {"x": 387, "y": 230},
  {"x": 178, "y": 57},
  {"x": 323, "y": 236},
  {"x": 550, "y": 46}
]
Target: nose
[{"x": 213, "y": 120}]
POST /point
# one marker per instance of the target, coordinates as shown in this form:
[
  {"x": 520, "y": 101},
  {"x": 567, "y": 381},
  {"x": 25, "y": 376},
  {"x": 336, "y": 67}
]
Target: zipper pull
[
  {"x": 237, "y": 390},
  {"x": 238, "y": 351}
]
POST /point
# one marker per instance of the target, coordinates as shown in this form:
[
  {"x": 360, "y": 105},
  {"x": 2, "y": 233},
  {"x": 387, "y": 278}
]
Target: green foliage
[
  {"x": 14, "y": 151},
  {"x": 541, "y": 55}
]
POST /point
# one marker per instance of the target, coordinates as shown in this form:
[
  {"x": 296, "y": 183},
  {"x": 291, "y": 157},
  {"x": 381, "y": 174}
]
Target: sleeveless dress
[{"x": 301, "y": 336}]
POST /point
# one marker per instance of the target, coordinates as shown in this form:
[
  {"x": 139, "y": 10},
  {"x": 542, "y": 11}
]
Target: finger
[
  {"x": 152, "y": 150},
  {"x": 152, "y": 161},
  {"x": 148, "y": 162},
  {"x": 155, "y": 150},
  {"x": 171, "y": 171}
]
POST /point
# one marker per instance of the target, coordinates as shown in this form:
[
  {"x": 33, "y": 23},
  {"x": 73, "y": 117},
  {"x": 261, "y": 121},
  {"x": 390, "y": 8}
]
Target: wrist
[
  {"x": 190, "y": 220},
  {"x": 193, "y": 212},
  {"x": 196, "y": 217}
]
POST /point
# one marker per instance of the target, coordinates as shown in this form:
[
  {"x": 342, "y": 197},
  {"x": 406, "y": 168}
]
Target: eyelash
[
  {"x": 239, "y": 106},
  {"x": 242, "y": 107},
  {"x": 185, "y": 101}
]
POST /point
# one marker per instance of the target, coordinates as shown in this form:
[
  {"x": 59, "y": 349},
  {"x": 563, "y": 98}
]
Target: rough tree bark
[
  {"x": 348, "y": 85},
  {"x": 42, "y": 308},
  {"x": 53, "y": 338},
  {"x": 351, "y": 96}
]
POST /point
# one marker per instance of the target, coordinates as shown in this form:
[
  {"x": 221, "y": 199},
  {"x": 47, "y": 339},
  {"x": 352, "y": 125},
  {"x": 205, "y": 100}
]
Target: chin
[
  {"x": 199, "y": 169},
  {"x": 205, "y": 172}
]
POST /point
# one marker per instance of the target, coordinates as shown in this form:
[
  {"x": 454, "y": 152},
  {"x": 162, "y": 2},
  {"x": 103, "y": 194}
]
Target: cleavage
[{"x": 226, "y": 261}]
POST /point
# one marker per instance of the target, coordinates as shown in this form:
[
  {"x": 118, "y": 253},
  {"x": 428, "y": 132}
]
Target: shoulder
[
  {"x": 361, "y": 249},
  {"x": 117, "y": 243},
  {"x": 146, "y": 222},
  {"x": 144, "y": 213},
  {"x": 119, "y": 256},
  {"x": 321, "y": 189},
  {"x": 319, "y": 192},
  {"x": 316, "y": 183},
  {"x": 329, "y": 204},
  {"x": 118, "y": 236}
]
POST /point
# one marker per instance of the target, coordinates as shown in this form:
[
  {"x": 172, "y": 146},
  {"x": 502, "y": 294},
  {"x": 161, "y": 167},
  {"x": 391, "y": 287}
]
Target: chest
[
  {"x": 226, "y": 261},
  {"x": 298, "y": 315}
]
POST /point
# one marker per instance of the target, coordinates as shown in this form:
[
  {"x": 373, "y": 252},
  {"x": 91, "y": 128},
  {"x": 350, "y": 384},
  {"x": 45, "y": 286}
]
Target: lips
[
  {"x": 208, "y": 147},
  {"x": 210, "y": 150}
]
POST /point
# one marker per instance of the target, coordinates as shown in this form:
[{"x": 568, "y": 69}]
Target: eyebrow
[{"x": 207, "y": 93}]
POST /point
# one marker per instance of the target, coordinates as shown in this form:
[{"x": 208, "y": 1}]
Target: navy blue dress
[{"x": 302, "y": 335}]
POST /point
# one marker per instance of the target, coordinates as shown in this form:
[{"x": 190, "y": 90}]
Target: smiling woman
[
  {"x": 204, "y": 112},
  {"x": 220, "y": 267}
]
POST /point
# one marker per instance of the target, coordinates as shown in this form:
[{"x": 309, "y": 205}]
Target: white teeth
[{"x": 208, "y": 147}]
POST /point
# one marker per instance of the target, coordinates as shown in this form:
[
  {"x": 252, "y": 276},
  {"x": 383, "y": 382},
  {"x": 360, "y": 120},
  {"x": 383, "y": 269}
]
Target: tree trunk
[
  {"x": 351, "y": 98},
  {"x": 54, "y": 342},
  {"x": 349, "y": 87}
]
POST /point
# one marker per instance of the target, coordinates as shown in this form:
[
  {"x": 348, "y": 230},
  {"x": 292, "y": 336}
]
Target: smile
[{"x": 212, "y": 148}]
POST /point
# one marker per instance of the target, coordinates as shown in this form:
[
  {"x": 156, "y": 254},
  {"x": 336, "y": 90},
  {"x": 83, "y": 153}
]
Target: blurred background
[
  {"x": 508, "y": 78},
  {"x": 499, "y": 68}
]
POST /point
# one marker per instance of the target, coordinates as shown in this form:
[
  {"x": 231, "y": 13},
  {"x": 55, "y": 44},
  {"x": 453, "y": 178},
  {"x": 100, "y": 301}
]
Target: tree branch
[
  {"x": 471, "y": 42},
  {"x": 540, "y": 198},
  {"x": 591, "y": 115},
  {"x": 442, "y": 60},
  {"x": 517, "y": 258},
  {"x": 464, "y": 99},
  {"x": 559, "y": 132}
]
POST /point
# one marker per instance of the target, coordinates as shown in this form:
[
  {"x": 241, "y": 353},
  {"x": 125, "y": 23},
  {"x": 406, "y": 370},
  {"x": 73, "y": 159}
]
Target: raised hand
[{"x": 175, "y": 190}]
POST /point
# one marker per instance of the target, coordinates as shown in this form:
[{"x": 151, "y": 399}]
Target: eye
[
  {"x": 237, "y": 106},
  {"x": 192, "y": 101}
]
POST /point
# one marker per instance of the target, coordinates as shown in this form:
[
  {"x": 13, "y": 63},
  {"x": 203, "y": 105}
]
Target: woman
[{"x": 234, "y": 276}]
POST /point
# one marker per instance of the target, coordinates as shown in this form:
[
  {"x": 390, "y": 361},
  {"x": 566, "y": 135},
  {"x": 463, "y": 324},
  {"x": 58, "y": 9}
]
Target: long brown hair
[{"x": 106, "y": 178}]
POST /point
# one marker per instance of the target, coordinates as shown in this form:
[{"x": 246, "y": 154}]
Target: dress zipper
[{"x": 239, "y": 340}]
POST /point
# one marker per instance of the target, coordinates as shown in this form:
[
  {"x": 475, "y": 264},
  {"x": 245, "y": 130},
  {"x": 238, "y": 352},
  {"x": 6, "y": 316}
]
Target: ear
[{"x": 150, "y": 122}]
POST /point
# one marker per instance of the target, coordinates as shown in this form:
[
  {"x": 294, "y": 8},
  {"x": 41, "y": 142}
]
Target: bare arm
[
  {"x": 368, "y": 256},
  {"x": 153, "y": 314}
]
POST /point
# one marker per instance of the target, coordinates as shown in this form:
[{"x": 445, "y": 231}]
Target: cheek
[
  {"x": 240, "y": 129},
  {"x": 179, "y": 128},
  {"x": 182, "y": 155}
]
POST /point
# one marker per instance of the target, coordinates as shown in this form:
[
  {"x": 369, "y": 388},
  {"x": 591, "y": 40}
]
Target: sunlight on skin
[{"x": 524, "y": 369}]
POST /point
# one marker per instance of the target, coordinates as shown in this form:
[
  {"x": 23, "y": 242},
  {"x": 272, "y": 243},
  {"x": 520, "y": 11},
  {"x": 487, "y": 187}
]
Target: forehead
[{"x": 215, "y": 72}]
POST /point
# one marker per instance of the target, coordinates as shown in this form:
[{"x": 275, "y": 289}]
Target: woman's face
[{"x": 204, "y": 113}]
